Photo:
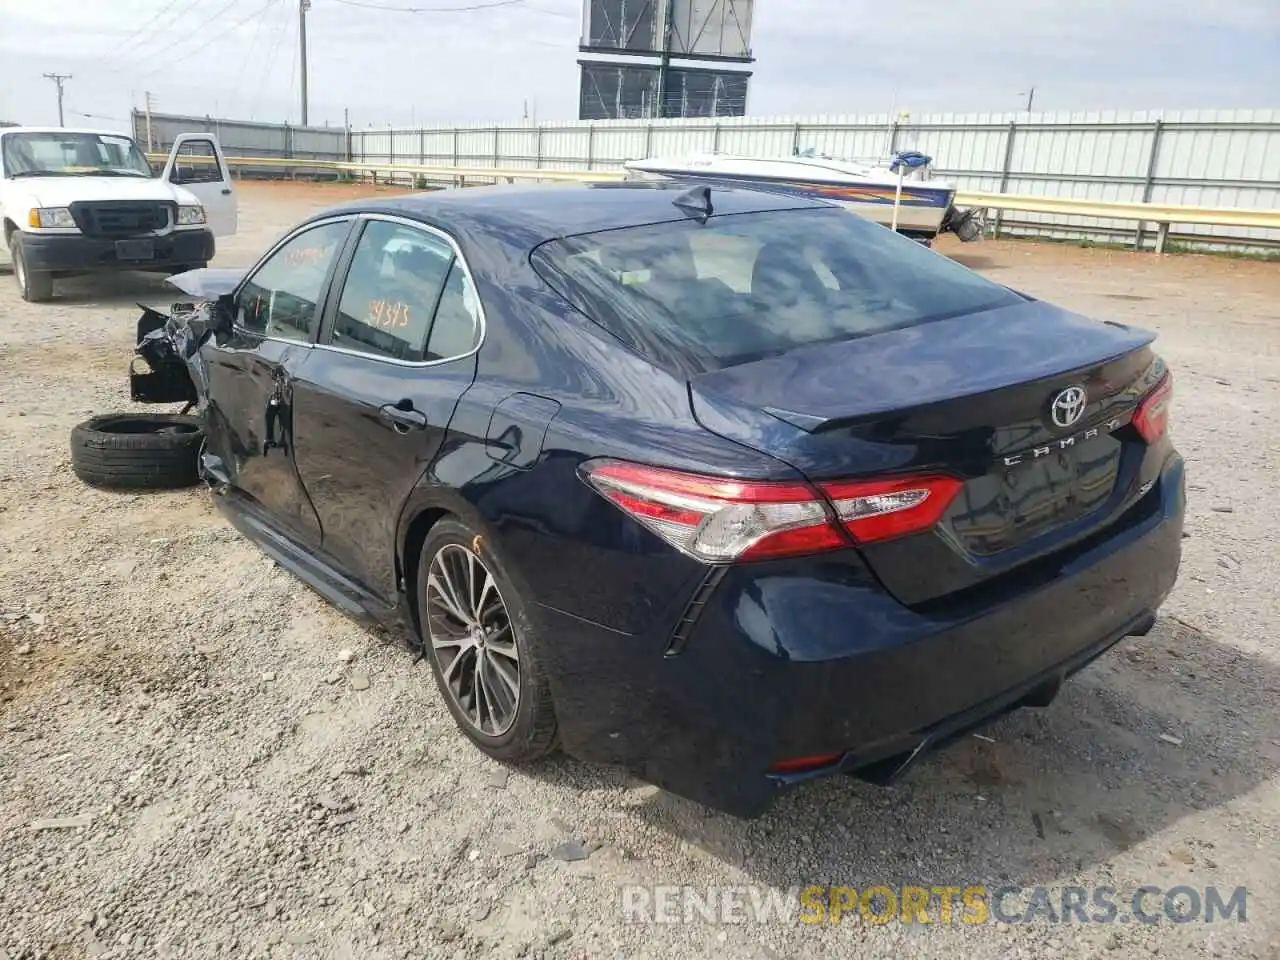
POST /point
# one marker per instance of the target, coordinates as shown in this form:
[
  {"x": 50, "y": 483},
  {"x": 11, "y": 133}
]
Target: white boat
[{"x": 866, "y": 188}]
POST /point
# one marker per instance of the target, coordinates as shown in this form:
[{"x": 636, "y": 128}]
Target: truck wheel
[
  {"x": 137, "y": 451},
  {"x": 35, "y": 287}
]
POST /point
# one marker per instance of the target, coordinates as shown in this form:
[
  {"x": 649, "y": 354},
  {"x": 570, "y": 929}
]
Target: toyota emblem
[{"x": 1068, "y": 406}]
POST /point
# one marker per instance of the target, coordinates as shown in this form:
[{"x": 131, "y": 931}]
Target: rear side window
[
  {"x": 747, "y": 286},
  {"x": 396, "y": 277},
  {"x": 457, "y": 320}
]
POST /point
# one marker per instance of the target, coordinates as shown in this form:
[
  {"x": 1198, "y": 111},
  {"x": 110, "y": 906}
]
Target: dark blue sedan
[{"x": 730, "y": 488}]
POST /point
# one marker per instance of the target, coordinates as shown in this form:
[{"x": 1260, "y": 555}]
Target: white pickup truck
[{"x": 79, "y": 201}]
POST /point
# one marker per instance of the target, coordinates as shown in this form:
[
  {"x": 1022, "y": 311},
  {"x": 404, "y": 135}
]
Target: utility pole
[
  {"x": 1031, "y": 96},
  {"x": 151, "y": 141},
  {"x": 59, "y": 79},
  {"x": 303, "y": 7}
]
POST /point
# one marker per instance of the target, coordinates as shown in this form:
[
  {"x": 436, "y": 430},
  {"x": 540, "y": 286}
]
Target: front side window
[
  {"x": 748, "y": 286},
  {"x": 71, "y": 154},
  {"x": 281, "y": 299},
  {"x": 405, "y": 297}
]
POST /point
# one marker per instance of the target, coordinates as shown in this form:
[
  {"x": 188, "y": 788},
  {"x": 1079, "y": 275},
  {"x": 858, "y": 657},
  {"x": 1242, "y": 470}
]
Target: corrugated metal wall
[
  {"x": 1212, "y": 158},
  {"x": 242, "y": 138}
]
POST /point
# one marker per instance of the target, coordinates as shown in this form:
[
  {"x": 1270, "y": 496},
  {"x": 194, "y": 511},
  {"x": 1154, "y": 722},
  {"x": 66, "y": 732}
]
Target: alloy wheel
[{"x": 473, "y": 639}]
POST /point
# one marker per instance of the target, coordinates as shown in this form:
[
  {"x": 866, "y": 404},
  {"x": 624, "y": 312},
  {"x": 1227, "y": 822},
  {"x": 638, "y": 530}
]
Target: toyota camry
[{"x": 730, "y": 488}]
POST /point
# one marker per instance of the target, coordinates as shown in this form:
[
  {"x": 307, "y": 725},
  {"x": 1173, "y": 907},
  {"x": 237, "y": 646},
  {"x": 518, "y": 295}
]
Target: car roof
[
  {"x": 4, "y": 131},
  {"x": 533, "y": 213}
]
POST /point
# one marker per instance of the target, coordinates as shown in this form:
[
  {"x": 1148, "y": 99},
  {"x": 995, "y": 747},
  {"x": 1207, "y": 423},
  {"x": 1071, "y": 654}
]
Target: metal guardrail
[
  {"x": 1163, "y": 215},
  {"x": 392, "y": 169}
]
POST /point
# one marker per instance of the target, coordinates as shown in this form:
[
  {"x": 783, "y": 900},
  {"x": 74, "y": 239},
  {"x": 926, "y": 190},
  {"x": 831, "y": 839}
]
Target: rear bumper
[
  {"x": 57, "y": 253},
  {"x": 791, "y": 661}
]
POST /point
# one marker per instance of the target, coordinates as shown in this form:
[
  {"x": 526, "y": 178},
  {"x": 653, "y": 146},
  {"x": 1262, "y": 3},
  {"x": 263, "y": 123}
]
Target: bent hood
[
  {"x": 207, "y": 283},
  {"x": 64, "y": 191}
]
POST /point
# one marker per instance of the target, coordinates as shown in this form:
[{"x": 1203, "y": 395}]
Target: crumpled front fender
[{"x": 170, "y": 345}]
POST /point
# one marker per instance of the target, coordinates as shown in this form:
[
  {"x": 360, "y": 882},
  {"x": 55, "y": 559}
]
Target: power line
[
  {"x": 96, "y": 116},
  {"x": 248, "y": 55},
  {"x": 193, "y": 34},
  {"x": 203, "y": 40},
  {"x": 269, "y": 63},
  {"x": 390, "y": 9},
  {"x": 147, "y": 31}
]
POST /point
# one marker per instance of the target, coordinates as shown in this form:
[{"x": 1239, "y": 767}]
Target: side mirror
[
  {"x": 222, "y": 313},
  {"x": 213, "y": 319}
]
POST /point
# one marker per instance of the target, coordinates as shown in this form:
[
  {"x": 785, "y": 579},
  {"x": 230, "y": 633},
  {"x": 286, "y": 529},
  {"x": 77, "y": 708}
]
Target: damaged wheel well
[{"x": 413, "y": 541}]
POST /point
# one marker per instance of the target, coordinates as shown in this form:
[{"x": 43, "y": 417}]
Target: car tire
[
  {"x": 137, "y": 451},
  {"x": 531, "y": 732},
  {"x": 34, "y": 286}
]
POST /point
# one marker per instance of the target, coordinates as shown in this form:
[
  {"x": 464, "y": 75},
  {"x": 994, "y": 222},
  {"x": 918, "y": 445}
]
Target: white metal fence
[
  {"x": 1220, "y": 158},
  {"x": 1215, "y": 158}
]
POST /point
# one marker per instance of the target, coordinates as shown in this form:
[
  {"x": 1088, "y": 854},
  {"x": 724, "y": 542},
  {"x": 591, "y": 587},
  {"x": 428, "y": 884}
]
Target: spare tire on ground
[{"x": 137, "y": 451}]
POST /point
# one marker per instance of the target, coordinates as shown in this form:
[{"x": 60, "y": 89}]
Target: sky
[{"x": 239, "y": 58}]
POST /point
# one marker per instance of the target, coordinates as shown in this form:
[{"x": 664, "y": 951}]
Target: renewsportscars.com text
[{"x": 935, "y": 903}]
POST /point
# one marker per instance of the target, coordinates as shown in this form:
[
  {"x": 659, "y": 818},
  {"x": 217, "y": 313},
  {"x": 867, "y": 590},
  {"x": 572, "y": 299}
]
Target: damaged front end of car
[
  {"x": 165, "y": 346},
  {"x": 169, "y": 365}
]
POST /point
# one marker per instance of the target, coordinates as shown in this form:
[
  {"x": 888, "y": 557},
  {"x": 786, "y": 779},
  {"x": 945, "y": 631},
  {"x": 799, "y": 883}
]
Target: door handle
[
  {"x": 226, "y": 191},
  {"x": 272, "y": 417},
  {"x": 403, "y": 420}
]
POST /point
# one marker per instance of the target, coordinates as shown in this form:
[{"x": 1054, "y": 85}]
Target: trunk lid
[{"x": 972, "y": 396}]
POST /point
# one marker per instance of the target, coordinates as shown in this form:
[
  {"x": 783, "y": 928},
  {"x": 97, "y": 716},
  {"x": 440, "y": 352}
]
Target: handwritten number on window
[
  {"x": 300, "y": 255},
  {"x": 388, "y": 314}
]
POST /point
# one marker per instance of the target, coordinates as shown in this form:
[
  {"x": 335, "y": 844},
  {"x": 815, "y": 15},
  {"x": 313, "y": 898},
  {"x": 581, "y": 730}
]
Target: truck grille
[{"x": 109, "y": 218}]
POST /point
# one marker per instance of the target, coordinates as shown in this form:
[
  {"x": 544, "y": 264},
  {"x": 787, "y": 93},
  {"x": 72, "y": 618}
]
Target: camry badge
[{"x": 1068, "y": 406}]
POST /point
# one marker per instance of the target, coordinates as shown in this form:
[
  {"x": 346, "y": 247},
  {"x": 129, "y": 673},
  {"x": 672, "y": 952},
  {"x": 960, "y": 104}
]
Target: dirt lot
[{"x": 248, "y": 793}]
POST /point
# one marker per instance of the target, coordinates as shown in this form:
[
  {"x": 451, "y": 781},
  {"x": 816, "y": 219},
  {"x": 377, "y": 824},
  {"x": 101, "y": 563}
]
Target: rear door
[
  {"x": 252, "y": 374},
  {"x": 197, "y": 165},
  {"x": 373, "y": 406}
]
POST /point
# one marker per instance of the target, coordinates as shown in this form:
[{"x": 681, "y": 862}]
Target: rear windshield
[{"x": 747, "y": 286}]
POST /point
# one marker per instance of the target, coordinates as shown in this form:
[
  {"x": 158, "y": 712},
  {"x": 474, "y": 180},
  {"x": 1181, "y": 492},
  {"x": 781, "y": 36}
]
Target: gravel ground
[{"x": 255, "y": 775}]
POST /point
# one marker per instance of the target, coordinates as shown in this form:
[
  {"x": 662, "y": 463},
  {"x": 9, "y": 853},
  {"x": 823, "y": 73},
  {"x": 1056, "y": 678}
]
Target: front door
[
  {"x": 197, "y": 165},
  {"x": 252, "y": 374},
  {"x": 372, "y": 407}
]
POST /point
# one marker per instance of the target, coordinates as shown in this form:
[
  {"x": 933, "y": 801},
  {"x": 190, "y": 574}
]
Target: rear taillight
[
  {"x": 882, "y": 509},
  {"x": 715, "y": 519},
  {"x": 721, "y": 520},
  {"x": 1152, "y": 415}
]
